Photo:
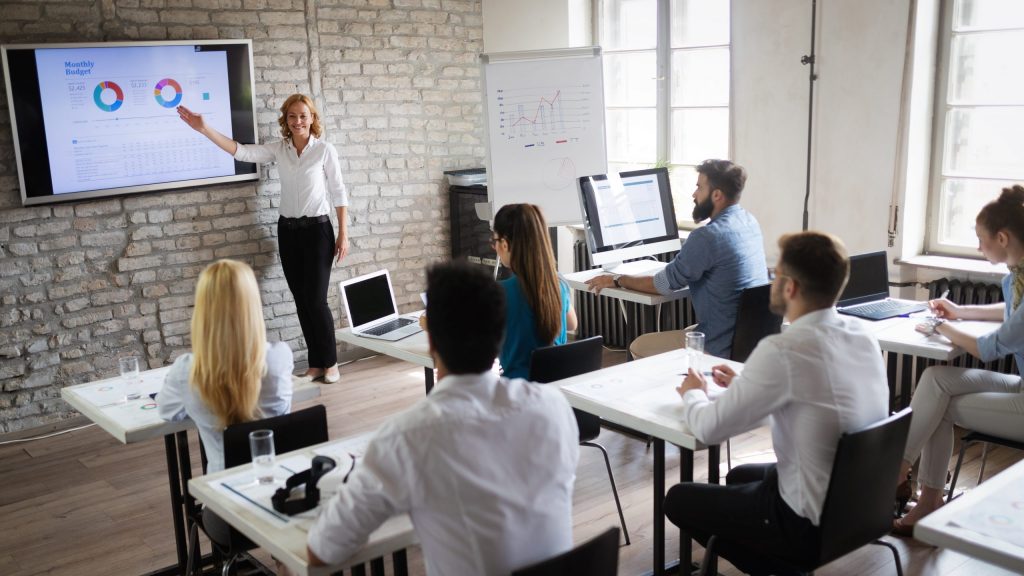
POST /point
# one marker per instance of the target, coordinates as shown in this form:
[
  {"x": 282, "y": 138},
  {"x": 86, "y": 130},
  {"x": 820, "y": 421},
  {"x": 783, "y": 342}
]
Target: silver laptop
[{"x": 370, "y": 305}]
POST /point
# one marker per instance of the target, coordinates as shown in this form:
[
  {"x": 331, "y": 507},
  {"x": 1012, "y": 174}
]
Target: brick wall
[{"x": 397, "y": 82}]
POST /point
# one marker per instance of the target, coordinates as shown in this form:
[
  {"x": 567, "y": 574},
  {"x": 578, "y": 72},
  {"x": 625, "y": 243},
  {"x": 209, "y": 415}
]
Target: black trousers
[
  {"x": 757, "y": 531},
  {"x": 307, "y": 249}
]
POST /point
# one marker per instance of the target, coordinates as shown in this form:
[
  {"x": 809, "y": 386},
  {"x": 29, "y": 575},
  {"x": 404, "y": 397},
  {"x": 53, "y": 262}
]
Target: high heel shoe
[{"x": 899, "y": 528}]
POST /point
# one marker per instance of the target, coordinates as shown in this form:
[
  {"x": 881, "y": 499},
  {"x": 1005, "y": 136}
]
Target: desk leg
[
  {"x": 890, "y": 372},
  {"x": 659, "y": 503},
  {"x": 714, "y": 462},
  {"x": 428, "y": 378},
  {"x": 400, "y": 563},
  {"x": 177, "y": 500},
  {"x": 686, "y": 475},
  {"x": 907, "y": 381}
]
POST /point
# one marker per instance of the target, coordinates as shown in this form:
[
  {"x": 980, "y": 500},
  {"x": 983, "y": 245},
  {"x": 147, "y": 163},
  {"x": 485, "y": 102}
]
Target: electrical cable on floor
[{"x": 51, "y": 434}]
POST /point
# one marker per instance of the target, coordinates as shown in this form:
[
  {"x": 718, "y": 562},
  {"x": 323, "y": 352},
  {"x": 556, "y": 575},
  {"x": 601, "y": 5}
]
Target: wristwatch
[
  {"x": 615, "y": 280},
  {"x": 934, "y": 324}
]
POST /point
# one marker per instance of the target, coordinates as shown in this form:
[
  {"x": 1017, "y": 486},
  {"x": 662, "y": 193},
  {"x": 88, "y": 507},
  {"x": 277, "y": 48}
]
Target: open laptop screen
[
  {"x": 869, "y": 279},
  {"x": 369, "y": 300}
]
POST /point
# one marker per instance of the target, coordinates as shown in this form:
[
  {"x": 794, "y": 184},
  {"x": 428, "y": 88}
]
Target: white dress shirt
[
  {"x": 178, "y": 400},
  {"x": 485, "y": 468},
  {"x": 821, "y": 377},
  {"x": 309, "y": 183}
]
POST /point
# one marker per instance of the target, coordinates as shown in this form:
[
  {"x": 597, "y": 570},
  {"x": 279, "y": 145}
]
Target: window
[
  {"x": 666, "y": 86},
  {"x": 979, "y": 117}
]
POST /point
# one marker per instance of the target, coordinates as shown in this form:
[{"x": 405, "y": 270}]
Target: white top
[
  {"x": 821, "y": 377},
  {"x": 178, "y": 400},
  {"x": 484, "y": 466},
  {"x": 307, "y": 180}
]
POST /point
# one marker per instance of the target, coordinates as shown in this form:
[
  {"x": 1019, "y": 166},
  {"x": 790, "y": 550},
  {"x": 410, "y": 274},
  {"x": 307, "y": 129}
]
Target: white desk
[
  {"x": 641, "y": 395},
  {"x": 138, "y": 420},
  {"x": 286, "y": 540},
  {"x": 414, "y": 349},
  {"x": 578, "y": 281},
  {"x": 995, "y": 506}
]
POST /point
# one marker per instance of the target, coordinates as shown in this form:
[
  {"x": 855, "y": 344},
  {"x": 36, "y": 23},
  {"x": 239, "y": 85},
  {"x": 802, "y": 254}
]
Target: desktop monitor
[{"x": 628, "y": 215}]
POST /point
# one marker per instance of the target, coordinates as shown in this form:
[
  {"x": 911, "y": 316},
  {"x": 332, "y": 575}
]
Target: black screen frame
[{"x": 591, "y": 218}]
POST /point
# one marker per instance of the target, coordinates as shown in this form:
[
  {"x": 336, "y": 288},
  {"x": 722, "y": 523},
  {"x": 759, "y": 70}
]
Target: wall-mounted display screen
[{"x": 92, "y": 120}]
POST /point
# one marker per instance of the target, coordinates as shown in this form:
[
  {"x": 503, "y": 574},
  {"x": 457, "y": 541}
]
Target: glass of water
[
  {"x": 129, "y": 367},
  {"x": 695, "y": 350},
  {"x": 261, "y": 444}
]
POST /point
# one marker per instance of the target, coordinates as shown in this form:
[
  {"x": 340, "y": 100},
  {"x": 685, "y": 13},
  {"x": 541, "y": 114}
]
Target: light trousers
[{"x": 980, "y": 400}]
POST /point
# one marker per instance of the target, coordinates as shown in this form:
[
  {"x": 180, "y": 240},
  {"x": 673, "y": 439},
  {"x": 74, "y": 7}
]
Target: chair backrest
[
  {"x": 291, "y": 432},
  {"x": 858, "y": 505},
  {"x": 552, "y": 363},
  {"x": 754, "y": 321},
  {"x": 598, "y": 556}
]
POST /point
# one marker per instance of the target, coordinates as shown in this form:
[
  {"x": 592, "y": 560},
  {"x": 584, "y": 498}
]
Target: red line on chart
[
  {"x": 537, "y": 113},
  {"x": 560, "y": 141}
]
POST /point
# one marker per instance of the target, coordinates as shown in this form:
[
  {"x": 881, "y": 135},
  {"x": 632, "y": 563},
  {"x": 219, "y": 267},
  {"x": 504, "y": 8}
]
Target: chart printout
[
  {"x": 630, "y": 209},
  {"x": 111, "y": 120}
]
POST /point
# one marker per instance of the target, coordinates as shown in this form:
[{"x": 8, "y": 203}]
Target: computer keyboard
[
  {"x": 883, "y": 309},
  {"x": 388, "y": 326}
]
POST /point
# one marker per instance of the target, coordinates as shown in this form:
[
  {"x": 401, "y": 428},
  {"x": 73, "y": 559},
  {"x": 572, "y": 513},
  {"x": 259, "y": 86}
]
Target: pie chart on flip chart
[
  {"x": 158, "y": 93},
  {"x": 108, "y": 91}
]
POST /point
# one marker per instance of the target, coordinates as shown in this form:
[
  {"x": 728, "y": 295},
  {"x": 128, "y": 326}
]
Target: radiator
[
  {"x": 602, "y": 316},
  {"x": 964, "y": 292}
]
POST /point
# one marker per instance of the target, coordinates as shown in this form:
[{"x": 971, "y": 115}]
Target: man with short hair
[
  {"x": 484, "y": 466},
  {"x": 821, "y": 377},
  {"x": 717, "y": 261}
]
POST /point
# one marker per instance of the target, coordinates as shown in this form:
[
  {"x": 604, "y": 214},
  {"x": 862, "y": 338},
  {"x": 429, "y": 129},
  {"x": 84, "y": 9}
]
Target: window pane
[
  {"x": 699, "y": 134},
  {"x": 700, "y": 77},
  {"x": 682, "y": 179},
  {"x": 984, "y": 142},
  {"x": 959, "y": 204},
  {"x": 700, "y": 22},
  {"x": 629, "y": 24},
  {"x": 987, "y": 68},
  {"x": 632, "y": 135},
  {"x": 988, "y": 14},
  {"x": 629, "y": 79}
]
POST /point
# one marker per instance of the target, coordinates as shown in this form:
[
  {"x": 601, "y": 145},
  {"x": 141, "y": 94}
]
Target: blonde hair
[
  {"x": 315, "y": 128},
  {"x": 533, "y": 261},
  {"x": 229, "y": 342}
]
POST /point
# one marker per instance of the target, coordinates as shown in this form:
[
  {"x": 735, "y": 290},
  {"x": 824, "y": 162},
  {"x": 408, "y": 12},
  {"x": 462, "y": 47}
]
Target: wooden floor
[{"x": 82, "y": 503}]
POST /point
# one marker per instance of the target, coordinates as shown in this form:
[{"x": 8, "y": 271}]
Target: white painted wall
[
  {"x": 860, "y": 54},
  {"x": 511, "y": 25}
]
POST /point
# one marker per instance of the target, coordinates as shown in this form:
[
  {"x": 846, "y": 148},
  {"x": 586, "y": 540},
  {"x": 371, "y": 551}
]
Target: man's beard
[{"x": 702, "y": 210}]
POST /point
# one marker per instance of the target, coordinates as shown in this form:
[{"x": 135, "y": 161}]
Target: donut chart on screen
[
  {"x": 158, "y": 93},
  {"x": 118, "y": 96}
]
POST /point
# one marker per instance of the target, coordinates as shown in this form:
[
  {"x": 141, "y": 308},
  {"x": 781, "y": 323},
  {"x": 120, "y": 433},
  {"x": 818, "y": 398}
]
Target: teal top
[{"x": 521, "y": 328}]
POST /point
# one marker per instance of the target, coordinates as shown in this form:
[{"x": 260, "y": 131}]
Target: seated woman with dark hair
[{"x": 539, "y": 309}]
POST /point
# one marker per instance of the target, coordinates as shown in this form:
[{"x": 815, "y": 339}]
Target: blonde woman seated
[
  {"x": 232, "y": 374},
  {"x": 988, "y": 402}
]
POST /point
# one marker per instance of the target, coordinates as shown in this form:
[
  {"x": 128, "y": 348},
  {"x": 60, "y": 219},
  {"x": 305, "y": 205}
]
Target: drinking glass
[
  {"x": 695, "y": 349},
  {"x": 261, "y": 444},
  {"x": 129, "y": 367}
]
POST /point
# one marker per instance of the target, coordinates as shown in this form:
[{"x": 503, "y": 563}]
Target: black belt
[{"x": 285, "y": 222}]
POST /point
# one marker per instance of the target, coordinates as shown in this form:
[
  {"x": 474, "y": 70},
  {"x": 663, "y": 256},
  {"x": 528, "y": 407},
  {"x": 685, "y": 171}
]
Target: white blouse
[
  {"x": 178, "y": 400},
  {"x": 310, "y": 183}
]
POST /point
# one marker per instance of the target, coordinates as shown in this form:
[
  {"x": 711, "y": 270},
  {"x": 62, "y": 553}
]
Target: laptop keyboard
[
  {"x": 388, "y": 326},
  {"x": 883, "y": 309}
]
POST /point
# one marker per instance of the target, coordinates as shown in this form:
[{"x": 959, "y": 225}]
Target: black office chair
[
  {"x": 291, "y": 432},
  {"x": 754, "y": 321},
  {"x": 972, "y": 437},
  {"x": 598, "y": 556},
  {"x": 858, "y": 504},
  {"x": 552, "y": 363}
]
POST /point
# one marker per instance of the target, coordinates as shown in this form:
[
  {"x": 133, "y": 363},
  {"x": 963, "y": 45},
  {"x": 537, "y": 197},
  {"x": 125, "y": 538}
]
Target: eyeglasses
[{"x": 494, "y": 241}]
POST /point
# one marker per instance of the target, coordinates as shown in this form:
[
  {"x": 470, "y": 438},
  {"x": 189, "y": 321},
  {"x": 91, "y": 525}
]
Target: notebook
[
  {"x": 370, "y": 306},
  {"x": 867, "y": 292}
]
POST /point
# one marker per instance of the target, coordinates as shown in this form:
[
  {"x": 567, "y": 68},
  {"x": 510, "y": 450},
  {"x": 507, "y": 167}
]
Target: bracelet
[
  {"x": 615, "y": 280},
  {"x": 934, "y": 324}
]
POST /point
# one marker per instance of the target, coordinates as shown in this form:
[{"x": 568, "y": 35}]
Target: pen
[{"x": 945, "y": 293}]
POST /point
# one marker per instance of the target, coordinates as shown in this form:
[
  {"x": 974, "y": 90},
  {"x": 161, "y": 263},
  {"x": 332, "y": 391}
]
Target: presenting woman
[
  {"x": 310, "y": 183},
  {"x": 537, "y": 300},
  {"x": 232, "y": 374},
  {"x": 980, "y": 400}
]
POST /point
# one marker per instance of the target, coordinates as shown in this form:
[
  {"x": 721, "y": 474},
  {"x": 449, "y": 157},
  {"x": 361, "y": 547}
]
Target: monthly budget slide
[{"x": 111, "y": 121}]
